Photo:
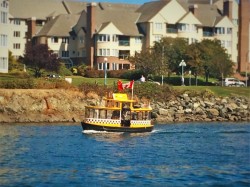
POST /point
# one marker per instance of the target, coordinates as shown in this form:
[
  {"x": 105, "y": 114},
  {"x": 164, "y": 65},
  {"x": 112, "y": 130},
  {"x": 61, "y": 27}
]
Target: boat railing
[
  {"x": 140, "y": 122},
  {"x": 103, "y": 121}
]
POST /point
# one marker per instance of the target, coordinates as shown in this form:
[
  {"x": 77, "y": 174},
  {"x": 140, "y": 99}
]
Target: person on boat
[
  {"x": 125, "y": 111},
  {"x": 115, "y": 114}
]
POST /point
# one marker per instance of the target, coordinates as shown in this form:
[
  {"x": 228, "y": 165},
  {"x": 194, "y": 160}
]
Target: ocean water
[{"x": 195, "y": 154}]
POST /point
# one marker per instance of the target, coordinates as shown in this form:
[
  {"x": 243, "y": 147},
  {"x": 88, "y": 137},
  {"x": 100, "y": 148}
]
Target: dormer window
[
  {"x": 4, "y": 4},
  {"x": 54, "y": 40},
  {"x": 220, "y": 30},
  {"x": 104, "y": 37},
  {"x": 158, "y": 26}
]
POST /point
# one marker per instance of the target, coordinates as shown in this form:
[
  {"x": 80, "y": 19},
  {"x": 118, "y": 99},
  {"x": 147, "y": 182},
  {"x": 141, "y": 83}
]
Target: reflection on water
[{"x": 113, "y": 136}]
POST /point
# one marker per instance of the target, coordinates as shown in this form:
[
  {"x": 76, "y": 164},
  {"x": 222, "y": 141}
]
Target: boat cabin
[{"x": 119, "y": 110}]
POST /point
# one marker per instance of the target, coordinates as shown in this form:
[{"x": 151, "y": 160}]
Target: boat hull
[{"x": 87, "y": 126}]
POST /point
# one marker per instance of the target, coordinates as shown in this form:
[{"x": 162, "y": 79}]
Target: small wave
[
  {"x": 172, "y": 132},
  {"x": 234, "y": 132}
]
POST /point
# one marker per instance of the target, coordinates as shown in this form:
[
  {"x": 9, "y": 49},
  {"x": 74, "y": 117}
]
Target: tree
[
  {"x": 40, "y": 57},
  {"x": 174, "y": 51},
  {"x": 216, "y": 58},
  {"x": 208, "y": 57},
  {"x": 13, "y": 63},
  {"x": 164, "y": 57},
  {"x": 146, "y": 61}
]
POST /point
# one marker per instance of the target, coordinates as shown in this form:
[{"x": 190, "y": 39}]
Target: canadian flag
[{"x": 122, "y": 86}]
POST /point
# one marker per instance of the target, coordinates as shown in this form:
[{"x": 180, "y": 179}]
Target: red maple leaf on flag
[{"x": 122, "y": 86}]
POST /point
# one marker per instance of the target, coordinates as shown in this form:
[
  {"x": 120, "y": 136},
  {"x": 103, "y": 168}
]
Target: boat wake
[{"x": 99, "y": 132}]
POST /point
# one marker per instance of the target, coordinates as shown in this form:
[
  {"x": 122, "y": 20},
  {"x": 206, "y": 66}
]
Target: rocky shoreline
[{"x": 57, "y": 105}]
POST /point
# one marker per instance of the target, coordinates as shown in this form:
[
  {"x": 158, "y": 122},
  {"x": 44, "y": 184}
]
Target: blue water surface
[{"x": 195, "y": 154}]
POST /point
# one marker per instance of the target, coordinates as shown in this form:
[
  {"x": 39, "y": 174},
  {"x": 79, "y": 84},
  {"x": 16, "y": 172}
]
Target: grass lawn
[
  {"x": 217, "y": 90},
  {"x": 77, "y": 80}
]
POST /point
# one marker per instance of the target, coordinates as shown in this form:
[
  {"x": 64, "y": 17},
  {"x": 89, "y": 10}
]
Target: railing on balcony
[
  {"x": 124, "y": 43},
  {"x": 172, "y": 30},
  {"x": 123, "y": 56},
  {"x": 207, "y": 34}
]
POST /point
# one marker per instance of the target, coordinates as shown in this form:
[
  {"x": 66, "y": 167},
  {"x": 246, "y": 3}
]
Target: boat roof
[{"x": 122, "y": 97}]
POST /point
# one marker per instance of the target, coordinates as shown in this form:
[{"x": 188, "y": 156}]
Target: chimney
[
  {"x": 90, "y": 40},
  {"x": 193, "y": 9},
  {"x": 228, "y": 9},
  {"x": 31, "y": 30}
]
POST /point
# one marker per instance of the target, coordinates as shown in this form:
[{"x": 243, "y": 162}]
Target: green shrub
[
  {"x": 132, "y": 74},
  {"x": 101, "y": 90},
  {"x": 81, "y": 70},
  {"x": 53, "y": 84},
  {"x": 18, "y": 84},
  {"x": 92, "y": 73},
  {"x": 63, "y": 71},
  {"x": 154, "y": 91},
  {"x": 116, "y": 73}
]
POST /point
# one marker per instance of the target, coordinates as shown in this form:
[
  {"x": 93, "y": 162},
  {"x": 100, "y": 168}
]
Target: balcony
[
  {"x": 124, "y": 43},
  {"x": 208, "y": 34},
  {"x": 172, "y": 30}
]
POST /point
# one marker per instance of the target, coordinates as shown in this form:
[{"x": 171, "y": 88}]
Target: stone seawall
[{"x": 56, "y": 105}]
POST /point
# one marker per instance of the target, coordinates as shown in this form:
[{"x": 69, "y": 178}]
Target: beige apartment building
[
  {"x": 4, "y": 35},
  {"x": 108, "y": 33}
]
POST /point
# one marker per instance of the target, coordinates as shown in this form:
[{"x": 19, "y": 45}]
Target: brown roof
[
  {"x": 207, "y": 13},
  {"x": 59, "y": 26},
  {"x": 124, "y": 20},
  {"x": 40, "y": 9},
  {"x": 149, "y": 10}
]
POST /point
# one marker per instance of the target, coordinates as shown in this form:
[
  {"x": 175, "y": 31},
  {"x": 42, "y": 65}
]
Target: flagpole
[{"x": 133, "y": 90}]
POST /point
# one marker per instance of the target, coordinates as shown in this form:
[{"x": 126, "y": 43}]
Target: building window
[
  {"x": 4, "y": 4},
  {"x": 3, "y": 40},
  {"x": 65, "y": 53},
  {"x": 183, "y": 27},
  {"x": 17, "y": 22},
  {"x": 54, "y": 40},
  {"x": 115, "y": 52},
  {"x": 103, "y": 38},
  {"x": 101, "y": 66},
  {"x": 17, "y": 34},
  {"x": 194, "y": 40},
  {"x": 158, "y": 26},
  {"x": 229, "y": 30},
  {"x": 104, "y": 52},
  {"x": 4, "y": 17},
  {"x": 81, "y": 40},
  {"x": 114, "y": 38},
  {"x": 220, "y": 30},
  {"x": 158, "y": 38},
  {"x": 187, "y": 27},
  {"x": 138, "y": 40},
  {"x": 65, "y": 40},
  {"x": 16, "y": 45},
  {"x": 235, "y": 21},
  {"x": 171, "y": 28},
  {"x": 115, "y": 66},
  {"x": 83, "y": 52},
  {"x": 226, "y": 43},
  {"x": 3, "y": 63}
]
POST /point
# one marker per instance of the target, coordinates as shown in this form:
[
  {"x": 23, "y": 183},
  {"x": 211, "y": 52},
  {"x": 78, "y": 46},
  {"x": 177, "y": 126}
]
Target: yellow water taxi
[{"x": 118, "y": 114}]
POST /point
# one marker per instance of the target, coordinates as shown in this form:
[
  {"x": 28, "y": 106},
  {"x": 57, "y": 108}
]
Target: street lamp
[
  {"x": 190, "y": 73},
  {"x": 182, "y": 64},
  {"x": 105, "y": 71}
]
